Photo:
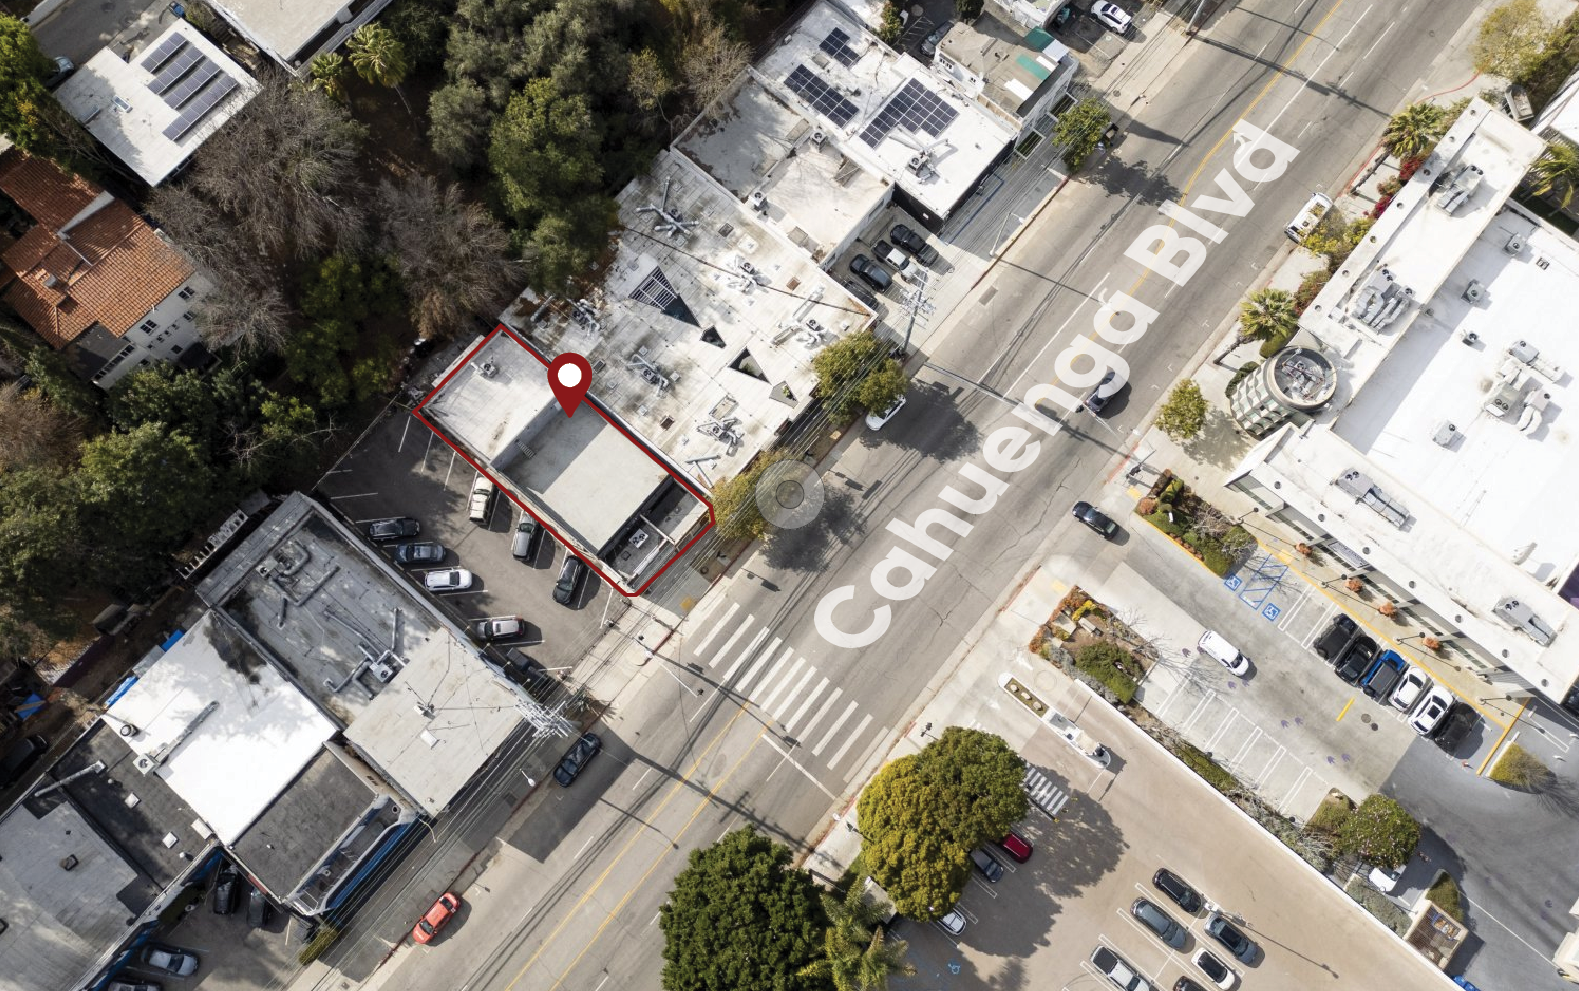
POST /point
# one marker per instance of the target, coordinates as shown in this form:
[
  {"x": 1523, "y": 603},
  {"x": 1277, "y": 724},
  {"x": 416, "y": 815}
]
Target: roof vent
[
  {"x": 818, "y": 136},
  {"x": 1515, "y": 244},
  {"x": 758, "y": 201},
  {"x": 1522, "y": 617},
  {"x": 1446, "y": 434},
  {"x": 68, "y": 862},
  {"x": 1474, "y": 292}
]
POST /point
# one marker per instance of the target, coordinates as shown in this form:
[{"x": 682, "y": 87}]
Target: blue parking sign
[
  {"x": 1233, "y": 582},
  {"x": 1271, "y": 611}
]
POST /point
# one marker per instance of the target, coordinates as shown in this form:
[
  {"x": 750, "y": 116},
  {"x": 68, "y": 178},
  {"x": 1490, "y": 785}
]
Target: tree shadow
[
  {"x": 1134, "y": 181},
  {"x": 810, "y": 547},
  {"x": 1220, "y": 443},
  {"x": 932, "y": 424}
]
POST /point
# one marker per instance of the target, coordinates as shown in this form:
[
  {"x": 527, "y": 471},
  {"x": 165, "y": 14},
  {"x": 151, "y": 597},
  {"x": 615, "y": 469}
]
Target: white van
[
  {"x": 1309, "y": 216},
  {"x": 1217, "y": 647}
]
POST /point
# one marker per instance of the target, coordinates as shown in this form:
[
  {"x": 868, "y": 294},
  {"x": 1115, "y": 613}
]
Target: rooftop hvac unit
[
  {"x": 758, "y": 201},
  {"x": 383, "y": 672},
  {"x": 1515, "y": 244},
  {"x": 1446, "y": 434},
  {"x": 1474, "y": 292},
  {"x": 818, "y": 136},
  {"x": 1522, "y": 617}
]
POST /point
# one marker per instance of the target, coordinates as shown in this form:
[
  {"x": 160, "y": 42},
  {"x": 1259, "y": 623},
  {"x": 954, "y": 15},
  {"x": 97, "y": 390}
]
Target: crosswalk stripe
[
  {"x": 817, "y": 750},
  {"x": 827, "y": 707},
  {"x": 701, "y": 646},
  {"x": 768, "y": 667},
  {"x": 836, "y": 758},
  {"x": 789, "y": 700},
  {"x": 740, "y": 631},
  {"x": 751, "y": 649},
  {"x": 790, "y": 724},
  {"x": 789, "y": 676}
]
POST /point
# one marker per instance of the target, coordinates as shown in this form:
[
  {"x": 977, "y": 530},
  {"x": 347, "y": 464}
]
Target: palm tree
[
  {"x": 1268, "y": 313},
  {"x": 857, "y": 954},
  {"x": 328, "y": 72},
  {"x": 378, "y": 55},
  {"x": 1413, "y": 130},
  {"x": 1556, "y": 171}
]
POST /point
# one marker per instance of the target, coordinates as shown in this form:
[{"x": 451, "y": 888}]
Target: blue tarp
[{"x": 177, "y": 635}]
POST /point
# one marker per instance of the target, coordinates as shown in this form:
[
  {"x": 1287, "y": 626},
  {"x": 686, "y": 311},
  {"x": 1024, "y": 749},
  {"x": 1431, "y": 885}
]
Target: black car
[
  {"x": 576, "y": 758},
  {"x": 19, "y": 757},
  {"x": 227, "y": 888},
  {"x": 529, "y": 674},
  {"x": 1460, "y": 719},
  {"x": 987, "y": 864},
  {"x": 1356, "y": 659},
  {"x": 425, "y": 552},
  {"x": 1174, "y": 887},
  {"x": 909, "y": 240},
  {"x": 1185, "y": 984},
  {"x": 871, "y": 273},
  {"x": 258, "y": 909},
  {"x": 1095, "y": 519},
  {"x": 569, "y": 583},
  {"x": 1337, "y": 636},
  {"x": 396, "y": 528},
  {"x": 1105, "y": 390},
  {"x": 1219, "y": 928},
  {"x": 1571, "y": 700}
]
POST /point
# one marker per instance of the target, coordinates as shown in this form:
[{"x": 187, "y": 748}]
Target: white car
[
  {"x": 954, "y": 922},
  {"x": 1429, "y": 716},
  {"x": 1407, "y": 695},
  {"x": 1215, "y": 970},
  {"x": 448, "y": 580},
  {"x": 1112, "y": 16},
  {"x": 875, "y": 421},
  {"x": 1118, "y": 970},
  {"x": 1385, "y": 880}
]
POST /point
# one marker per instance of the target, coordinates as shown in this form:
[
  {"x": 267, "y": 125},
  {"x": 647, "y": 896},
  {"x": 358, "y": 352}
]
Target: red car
[
  {"x": 1016, "y": 846},
  {"x": 438, "y": 916}
]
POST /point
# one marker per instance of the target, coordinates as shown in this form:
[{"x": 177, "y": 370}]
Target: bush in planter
[
  {"x": 1444, "y": 894},
  {"x": 1218, "y": 562},
  {"x": 1244, "y": 370},
  {"x": 1381, "y": 832},
  {"x": 1101, "y": 661},
  {"x": 1171, "y": 493},
  {"x": 1310, "y": 287},
  {"x": 1146, "y": 506},
  {"x": 1160, "y": 520}
]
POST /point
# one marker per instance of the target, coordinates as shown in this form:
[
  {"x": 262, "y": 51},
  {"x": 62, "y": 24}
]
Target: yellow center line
[
  {"x": 1498, "y": 745},
  {"x": 1345, "y": 710},
  {"x": 635, "y": 835}
]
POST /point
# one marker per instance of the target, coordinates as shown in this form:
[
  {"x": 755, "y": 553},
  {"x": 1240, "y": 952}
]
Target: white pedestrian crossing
[
  {"x": 789, "y": 724},
  {"x": 836, "y": 758},
  {"x": 794, "y": 694},
  {"x": 1043, "y": 794},
  {"x": 767, "y": 668},
  {"x": 767, "y": 703},
  {"x": 816, "y": 718},
  {"x": 823, "y": 743},
  {"x": 701, "y": 646},
  {"x": 740, "y": 631},
  {"x": 751, "y": 649}
]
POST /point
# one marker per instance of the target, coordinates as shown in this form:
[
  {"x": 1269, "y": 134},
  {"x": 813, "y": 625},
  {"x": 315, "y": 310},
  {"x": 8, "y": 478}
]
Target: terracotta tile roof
[
  {"x": 110, "y": 269},
  {"x": 40, "y": 187}
]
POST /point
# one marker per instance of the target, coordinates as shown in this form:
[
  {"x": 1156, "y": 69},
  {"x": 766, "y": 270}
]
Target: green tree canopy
[
  {"x": 544, "y": 151},
  {"x": 1556, "y": 172},
  {"x": 1414, "y": 130},
  {"x": 141, "y": 493},
  {"x": 42, "y": 549},
  {"x": 1512, "y": 40},
  {"x": 1183, "y": 414},
  {"x": 740, "y": 918},
  {"x": 1381, "y": 832},
  {"x": 857, "y": 956},
  {"x": 1079, "y": 130},
  {"x": 923, "y": 813},
  {"x": 377, "y": 55},
  {"x": 25, "y": 105},
  {"x": 856, "y": 372},
  {"x": 735, "y": 510}
]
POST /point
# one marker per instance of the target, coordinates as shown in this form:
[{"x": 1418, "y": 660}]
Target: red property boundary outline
[{"x": 587, "y": 401}]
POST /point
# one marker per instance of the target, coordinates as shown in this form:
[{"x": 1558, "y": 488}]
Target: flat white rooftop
[
  {"x": 815, "y": 192},
  {"x": 284, "y": 27},
  {"x": 153, "y": 109},
  {"x": 884, "y": 107},
  {"x": 224, "y": 729},
  {"x": 704, "y": 359}
]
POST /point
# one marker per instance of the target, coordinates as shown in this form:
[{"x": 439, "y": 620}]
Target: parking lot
[{"x": 400, "y": 468}]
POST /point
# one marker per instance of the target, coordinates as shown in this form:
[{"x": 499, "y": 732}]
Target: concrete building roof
[
  {"x": 883, "y": 108},
  {"x": 815, "y": 192},
  {"x": 1013, "y": 66},
  {"x": 148, "y": 115},
  {"x": 414, "y": 696},
  {"x": 725, "y": 346},
  {"x": 220, "y": 725},
  {"x": 293, "y": 31}
]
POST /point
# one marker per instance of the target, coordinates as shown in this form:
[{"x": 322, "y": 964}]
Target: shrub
[
  {"x": 1310, "y": 287},
  {"x": 1389, "y": 186},
  {"x": 1382, "y": 205},
  {"x": 1101, "y": 661},
  {"x": 1244, "y": 369},
  {"x": 1236, "y": 539},
  {"x": 1146, "y": 506},
  {"x": 1367, "y": 897},
  {"x": 1520, "y": 770},
  {"x": 1217, "y": 561},
  {"x": 1160, "y": 520},
  {"x": 1210, "y": 771},
  {"x": 1171, "y": 493},
  {"x": 1380, "y": 832},
  {"x": 1277, "y": 342},
  {"x": 1445, "y": 895},
  {"x": 1331, "y": 815},
  {"x": 322, "y": 940},
  {"x": 1408, "y": 167}
]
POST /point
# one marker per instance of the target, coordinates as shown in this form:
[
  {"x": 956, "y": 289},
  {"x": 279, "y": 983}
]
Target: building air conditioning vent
[
  {"x": 383, "y": 672},
  {"x": 1515, "y": 244},
  {"x": 128, "y": 730},
  {"x": 1522, "y": 617},
  {"x": 758, "y": 200},
  {"x": 1446, "y": 434},
  {"x": 1474, "y": 292},
  {"x": 818, "y": 136},
  {"x": 68, "y": 862}
]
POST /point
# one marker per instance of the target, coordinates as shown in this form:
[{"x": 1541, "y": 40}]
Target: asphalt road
[{"x": 584, "y": 886}]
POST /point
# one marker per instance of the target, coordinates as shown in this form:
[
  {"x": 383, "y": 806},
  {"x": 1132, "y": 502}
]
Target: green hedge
[
  {"x": 1445, "y": 895},
  {"x": 322, "y": 939},
  {"x": 1244, "y": 370},
  {"x": 1160, "y": 520},
  {"x": 1097, "y": 660},
  {"x": 1209, "y": 770}
]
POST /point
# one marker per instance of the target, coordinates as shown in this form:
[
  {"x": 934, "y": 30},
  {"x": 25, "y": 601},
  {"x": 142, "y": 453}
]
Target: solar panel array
[
  {"x": 179, "y": 66},
  {"x": 823, "y": 98},
  {"x": 837, "y": 44},
  {"x": 200, "y": 108},
  {"x": 182, "y": 94},
  {"x": 915, "y": 108},
  {"x": 161, "y": 54}
]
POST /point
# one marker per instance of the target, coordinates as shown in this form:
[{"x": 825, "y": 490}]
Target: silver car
[{"x": 1159, "y": 922}]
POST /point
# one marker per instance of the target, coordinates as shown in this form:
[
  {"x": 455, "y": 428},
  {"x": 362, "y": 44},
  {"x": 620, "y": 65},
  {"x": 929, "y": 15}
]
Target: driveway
[{"x": 77, "y": 29}]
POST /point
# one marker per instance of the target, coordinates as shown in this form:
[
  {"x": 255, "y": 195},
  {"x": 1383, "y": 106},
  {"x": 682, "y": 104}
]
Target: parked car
[
  {"x": 1456, "y": 725},
  {"x": 395, "y": 528},
  {"x": 1385, "y": 879},
  {"x": 1016, "y": 846},
  {"x": 875, "y": 421},
  {"x": 448, "y": 580},
  {"x": 1159, "y": 922},
  {"x": 1185, "y": 984},
  {"x": 569, "y": 583},
  {"x": 169, "y": 960},
  {"x": 929, "y": 47},
  {"x": 528, "y": 535},
  {"x": 576, "y": 758},
  {"x": 1116, "y": 969},
  {"x": 421, "y": 552},
  {"x": 258, "y": 908},
  {"x": 1231, "y": 936},
  {"x": 19, "y": 757},
  {"x": 1110, "y": 386},
  {"x": 1174, "y": 887},
  {"x": 1410, "y": 689},
  {"x": 871, "y": 273},
  {"x": 892, "y": 257},
  {"x": 134, "y": 985},
  {"x": 1308, "y": 217},
  {"x": 227, "y": 889},
  {"x": 63, "y": 68},
  {"x": 483, "y": 491},
  {"x": 1384, "y": 676},
  {"x": 529, "y": 674},
  {"x": 953, "y": 922},
  {"x": 436, "y": 918},
  {"x": 1215, "y": 970},
  {"x": 1428, "y": 718},
  {"x": 499, "y": 628},
  {"x": 1356, "y": 659},
  {"x": 1217, "y": 647},
  {"x": 1337, "y": 636},
  {"x": 1112, "y": 16},
  {"x": 987, "y": 864},
  {"x": 916, "y": 244},
  {"x": 1095, "y": 519}
]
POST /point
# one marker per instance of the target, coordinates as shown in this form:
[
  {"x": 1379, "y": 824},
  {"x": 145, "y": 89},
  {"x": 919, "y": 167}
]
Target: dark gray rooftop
[{"x": 304, "y": 823}]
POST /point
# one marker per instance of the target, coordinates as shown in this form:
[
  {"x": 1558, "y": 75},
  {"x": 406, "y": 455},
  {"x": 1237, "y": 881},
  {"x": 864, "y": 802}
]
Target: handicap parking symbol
[
  {"x": 954, "y": 968},
  {"x": 1271, "y": 611},
  {"x": 1233, "y": 582}
]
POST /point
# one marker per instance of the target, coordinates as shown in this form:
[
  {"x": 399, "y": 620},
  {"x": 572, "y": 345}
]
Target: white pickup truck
[{"x": 1078, "y": 738}]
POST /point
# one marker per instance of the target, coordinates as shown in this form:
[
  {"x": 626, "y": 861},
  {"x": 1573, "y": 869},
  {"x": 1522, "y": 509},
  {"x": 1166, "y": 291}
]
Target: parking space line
[
  {"x": 859, "y": 729},
  {"x": 1345, "y": 710},
  {"x": 1299, "y": 782},
  {"x": 818, "y": 749}
]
